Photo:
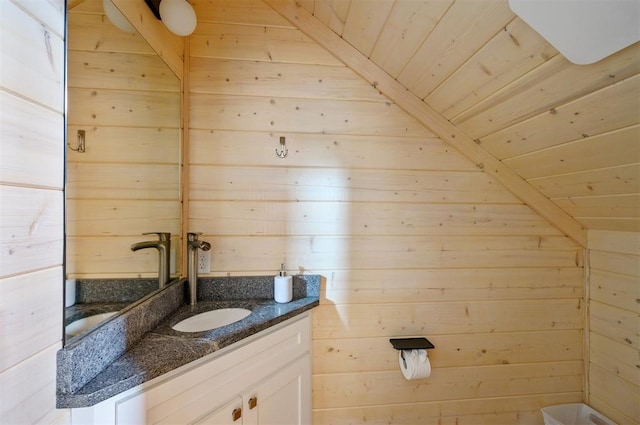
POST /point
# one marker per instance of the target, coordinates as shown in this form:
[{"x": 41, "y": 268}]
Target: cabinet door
[
  {"x": 228, "y": 414},
  {"x": 283, "y": 398}
]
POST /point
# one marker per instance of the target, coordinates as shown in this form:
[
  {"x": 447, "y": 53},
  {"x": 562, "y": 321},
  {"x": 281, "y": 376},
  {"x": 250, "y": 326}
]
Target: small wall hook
[
  {"x": 80, "y": 145},
  {"x": 283, "y": 151}
]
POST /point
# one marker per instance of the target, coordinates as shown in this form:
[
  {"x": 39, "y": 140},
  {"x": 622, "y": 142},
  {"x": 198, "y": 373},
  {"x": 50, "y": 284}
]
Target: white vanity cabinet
[
  {"x": 265, "y": 379},
  {"x": 277, "y": 400}
]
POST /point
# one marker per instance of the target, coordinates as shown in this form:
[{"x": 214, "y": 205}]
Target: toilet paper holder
[{"x": 411, "y": 343}]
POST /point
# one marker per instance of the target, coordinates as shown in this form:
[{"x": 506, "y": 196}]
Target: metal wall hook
[
  {"x": 80, "y": 147},
  {"x": 283, "y": 151}
]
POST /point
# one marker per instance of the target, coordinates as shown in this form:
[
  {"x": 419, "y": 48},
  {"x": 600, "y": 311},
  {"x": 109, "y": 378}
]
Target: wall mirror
[{"x": 122, "y": 159}]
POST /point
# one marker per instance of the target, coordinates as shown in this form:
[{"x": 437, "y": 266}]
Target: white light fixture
[
  {"x": 116, "y": 17},
  {"x": 177, "y": 15},
  {"x": 584, "y": 31}
]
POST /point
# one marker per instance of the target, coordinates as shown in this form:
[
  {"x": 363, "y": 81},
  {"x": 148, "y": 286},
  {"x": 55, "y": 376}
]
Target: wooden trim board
[{"x": 168, "y": 46}]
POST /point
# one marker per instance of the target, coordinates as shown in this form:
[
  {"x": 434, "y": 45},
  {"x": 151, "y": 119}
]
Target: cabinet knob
[
  {"x": 253, "y": 402},
  {"x": 236, "y": 414}
]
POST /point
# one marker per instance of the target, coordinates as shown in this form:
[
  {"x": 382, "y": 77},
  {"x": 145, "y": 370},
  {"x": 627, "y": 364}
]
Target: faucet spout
[
  {"x": 203, "y": 245},
  {"x": 193, "y": 245},
  {"x": 146, "y": 244},
  {"x": 163, "y": 245}
]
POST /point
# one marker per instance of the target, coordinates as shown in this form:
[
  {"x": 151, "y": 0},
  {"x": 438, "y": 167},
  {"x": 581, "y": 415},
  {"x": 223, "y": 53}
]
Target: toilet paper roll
[{"x": 414, "y": 364}]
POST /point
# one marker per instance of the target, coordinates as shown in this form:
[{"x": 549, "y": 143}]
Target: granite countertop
[
  {"x": 81, "y": 311},
  {"x": 162, "y": 349},
  {"x": 97, "y": 296}
]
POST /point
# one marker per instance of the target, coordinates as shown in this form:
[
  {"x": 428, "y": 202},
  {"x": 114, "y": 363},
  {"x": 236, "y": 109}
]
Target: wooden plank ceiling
[{"x": 485, "y": 78}]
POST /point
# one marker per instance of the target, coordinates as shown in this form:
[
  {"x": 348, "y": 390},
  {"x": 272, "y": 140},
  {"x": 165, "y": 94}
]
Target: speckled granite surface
[
  {"x": 113, "y": 290},
  {"x": 85, "y": 356},
  {"x": 79, "y": 311},
  {"x": 95, "y": 296},
  {"x": 163, "y": 349},
  {"x": 252, "y": 287}
]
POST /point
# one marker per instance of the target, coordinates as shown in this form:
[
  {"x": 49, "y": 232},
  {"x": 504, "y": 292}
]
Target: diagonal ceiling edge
[{"x": 429, "y": 117}]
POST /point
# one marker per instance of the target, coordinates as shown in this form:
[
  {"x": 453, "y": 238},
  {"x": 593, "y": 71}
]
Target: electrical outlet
[{"x": 204, "y": 261}]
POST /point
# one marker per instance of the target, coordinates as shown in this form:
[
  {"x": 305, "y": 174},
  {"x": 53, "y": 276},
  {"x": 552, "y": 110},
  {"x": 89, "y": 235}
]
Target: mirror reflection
[{"x": 122, "y": 163}]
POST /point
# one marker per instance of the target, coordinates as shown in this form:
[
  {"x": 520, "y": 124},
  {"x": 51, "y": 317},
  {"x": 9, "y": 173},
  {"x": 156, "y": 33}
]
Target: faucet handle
[
  {"x": 163, "y": 236},
  {"x": 193, "y": 236}
]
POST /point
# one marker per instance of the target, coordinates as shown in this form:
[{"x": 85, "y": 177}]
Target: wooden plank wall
[
  {"x": 614, "y": 323},
  {"x": 31, "y": 208},
  {"x": 127, "y": 182},
  {"x": 411, "y": 238}
]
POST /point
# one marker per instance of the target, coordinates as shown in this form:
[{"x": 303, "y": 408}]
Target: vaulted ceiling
[{"x": 565, "y": 138}]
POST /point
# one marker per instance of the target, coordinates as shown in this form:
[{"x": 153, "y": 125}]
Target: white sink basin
[
  {"x": 81, "y": 325},
  {"x": 211, "y": 319}
]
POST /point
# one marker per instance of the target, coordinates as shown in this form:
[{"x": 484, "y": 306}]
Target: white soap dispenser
[{"x": 282, "y": 287}]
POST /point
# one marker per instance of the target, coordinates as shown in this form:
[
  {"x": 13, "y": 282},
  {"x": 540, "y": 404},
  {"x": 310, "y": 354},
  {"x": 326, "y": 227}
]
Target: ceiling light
[
  {"x": 177, "y": 15},
  {"x": 116, "y": 17}
]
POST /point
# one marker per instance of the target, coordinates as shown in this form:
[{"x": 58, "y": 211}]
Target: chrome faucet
[
  {"x": 163, "y": 245},
  {"x": 193, "y": 245}
]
